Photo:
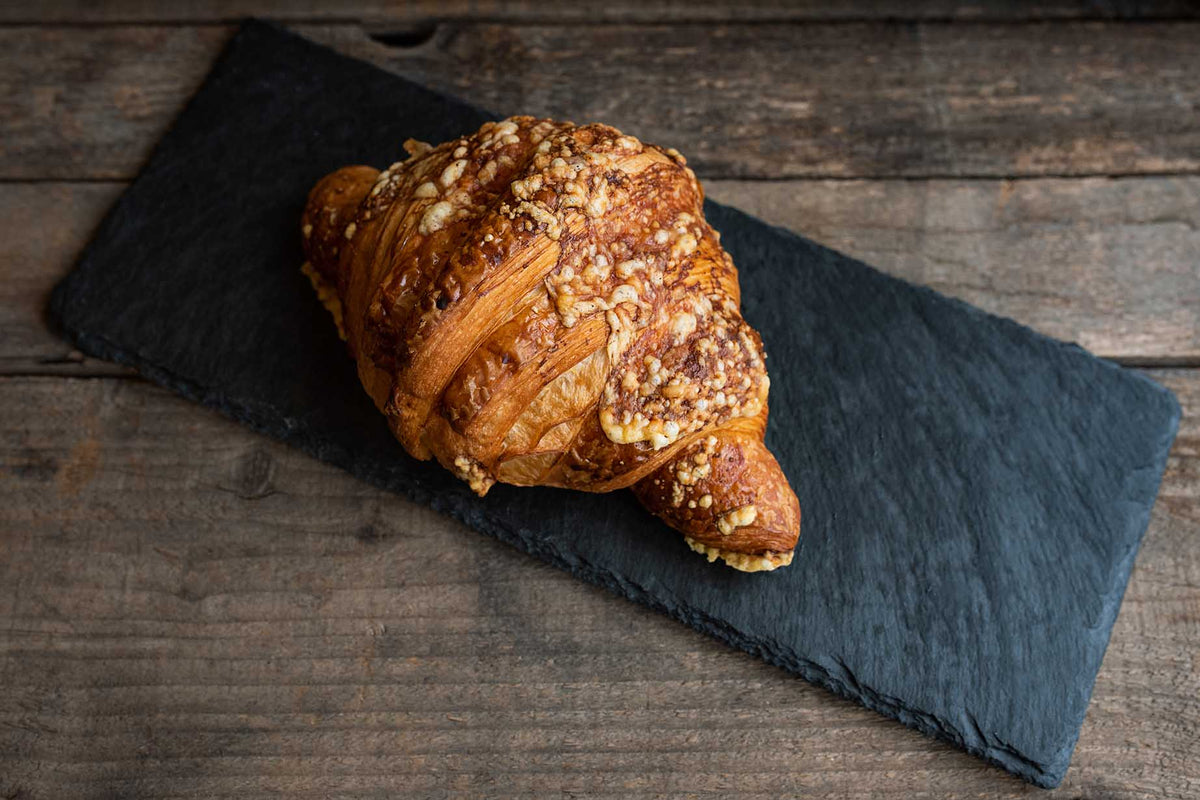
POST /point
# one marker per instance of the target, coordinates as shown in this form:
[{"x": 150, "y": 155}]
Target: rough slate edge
[
  {"x": 843, "y": 683},
  {"x": 1043, "y": 775}
]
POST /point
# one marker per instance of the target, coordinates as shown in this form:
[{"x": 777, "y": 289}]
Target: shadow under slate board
[{"x": 974, "y": 493}]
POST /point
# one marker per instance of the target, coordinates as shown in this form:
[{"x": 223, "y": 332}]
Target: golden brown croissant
[{"x": 541, "y": 303}]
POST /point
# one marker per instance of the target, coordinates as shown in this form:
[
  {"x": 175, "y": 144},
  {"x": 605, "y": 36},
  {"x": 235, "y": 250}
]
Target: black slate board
[{"x": 973, "y": 493}]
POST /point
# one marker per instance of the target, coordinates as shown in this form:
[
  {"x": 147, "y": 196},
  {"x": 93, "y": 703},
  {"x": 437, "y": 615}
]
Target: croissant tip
[{"x": 743, "y": 562}]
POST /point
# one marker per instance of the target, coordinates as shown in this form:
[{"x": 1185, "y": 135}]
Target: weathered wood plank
[
  {"x": 88, "y": 103},
  {"x": 44, "y": 226},
  {"x": 1112, "y": 264},
  {"x": 416, "y": 11},
  {"x": 742, "y": 101},
  {"x": 187, "y": 609}
]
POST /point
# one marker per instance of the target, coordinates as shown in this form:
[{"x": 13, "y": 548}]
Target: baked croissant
[{"x": 541, "y": 303}]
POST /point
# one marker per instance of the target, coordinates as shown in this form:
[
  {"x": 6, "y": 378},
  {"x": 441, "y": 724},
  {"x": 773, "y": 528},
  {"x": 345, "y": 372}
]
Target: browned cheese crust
[{"x": 542, "y": 303}]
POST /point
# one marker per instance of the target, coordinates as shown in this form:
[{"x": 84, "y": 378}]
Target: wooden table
[{"x": 189, "y": 609}]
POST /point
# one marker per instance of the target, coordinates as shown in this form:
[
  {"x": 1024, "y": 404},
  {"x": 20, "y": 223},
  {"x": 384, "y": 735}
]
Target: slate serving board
[{"x": 974, "y": 493}]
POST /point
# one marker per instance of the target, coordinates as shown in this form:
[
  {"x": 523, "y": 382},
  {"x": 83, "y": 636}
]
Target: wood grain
[
  {"x": 380, "y": 12},
  {"x": 742, "y": 101},
  {"x": 44, "y": 227},
  {"x": 190, "y": 610},
  {"x": 1111, "y": 264},
  {"x": 187, "y": 609}
]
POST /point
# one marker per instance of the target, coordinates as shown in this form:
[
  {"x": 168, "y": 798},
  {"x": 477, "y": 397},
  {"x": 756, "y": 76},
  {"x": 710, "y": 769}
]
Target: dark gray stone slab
[{"x": 973, "y": 493}]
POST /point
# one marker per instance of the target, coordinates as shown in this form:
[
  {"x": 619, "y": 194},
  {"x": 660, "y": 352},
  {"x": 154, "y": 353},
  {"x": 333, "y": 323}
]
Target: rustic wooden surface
[
  {"x": 190, "y": 610},
  {"x": 384, "y": 12},
  {"x": 855, "y": 99}
]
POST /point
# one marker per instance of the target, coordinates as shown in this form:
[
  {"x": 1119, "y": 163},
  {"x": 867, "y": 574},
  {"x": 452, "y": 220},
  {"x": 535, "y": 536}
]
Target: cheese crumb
[
  {"x": 730, "y": 521},
  {"x": 745, "y": 562},
  {"x": 435, "y": 218}
]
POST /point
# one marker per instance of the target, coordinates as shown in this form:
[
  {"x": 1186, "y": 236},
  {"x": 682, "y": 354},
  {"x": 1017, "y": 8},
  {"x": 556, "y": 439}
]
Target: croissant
[{"x": 541, "y": 303}]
